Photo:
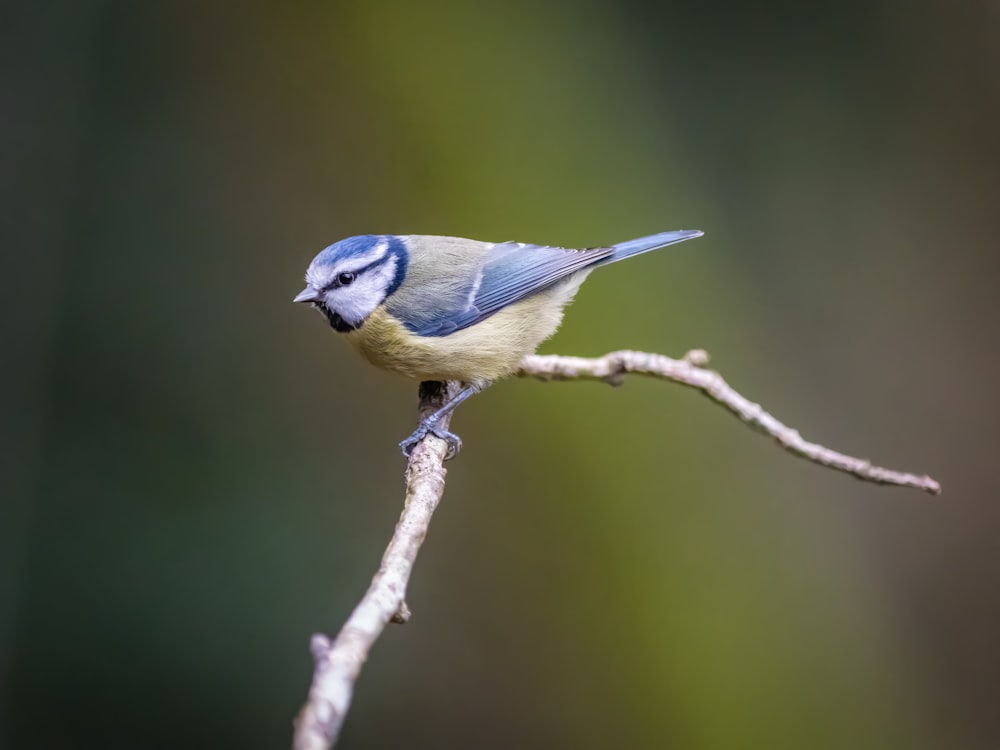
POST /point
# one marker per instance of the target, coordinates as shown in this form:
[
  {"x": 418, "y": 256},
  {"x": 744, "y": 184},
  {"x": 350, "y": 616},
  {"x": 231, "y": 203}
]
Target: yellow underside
[{"x": 488, "y": 350}]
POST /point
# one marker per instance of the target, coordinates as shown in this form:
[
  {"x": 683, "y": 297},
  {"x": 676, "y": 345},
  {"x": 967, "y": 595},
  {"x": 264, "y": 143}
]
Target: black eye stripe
[{"x": 338, "y": 282}]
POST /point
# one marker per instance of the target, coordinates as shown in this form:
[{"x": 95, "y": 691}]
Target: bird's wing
[{"x": 509, "y": 272}]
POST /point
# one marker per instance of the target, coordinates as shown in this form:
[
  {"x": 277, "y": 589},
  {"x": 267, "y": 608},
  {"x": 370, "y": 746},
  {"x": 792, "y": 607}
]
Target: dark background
[{"x": 196, "y": 475}]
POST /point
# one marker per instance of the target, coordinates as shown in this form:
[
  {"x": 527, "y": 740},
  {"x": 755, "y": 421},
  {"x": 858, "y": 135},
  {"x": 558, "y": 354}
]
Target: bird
[{"x": 436, "y": 308}]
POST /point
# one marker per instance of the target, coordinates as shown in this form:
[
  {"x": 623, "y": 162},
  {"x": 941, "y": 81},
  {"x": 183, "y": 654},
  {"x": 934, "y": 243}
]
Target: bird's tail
[{"x": 653, "y": 242}]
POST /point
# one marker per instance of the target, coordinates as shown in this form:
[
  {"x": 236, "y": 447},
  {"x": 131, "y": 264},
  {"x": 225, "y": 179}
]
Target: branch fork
[{"x": 338, "y": 663}]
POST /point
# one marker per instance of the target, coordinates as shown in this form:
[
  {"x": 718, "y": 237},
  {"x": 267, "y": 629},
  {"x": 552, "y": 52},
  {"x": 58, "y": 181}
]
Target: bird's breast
[{"x": 488, "y": 350}]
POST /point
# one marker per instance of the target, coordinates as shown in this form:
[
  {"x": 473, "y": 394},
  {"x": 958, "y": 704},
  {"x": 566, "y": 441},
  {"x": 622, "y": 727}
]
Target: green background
[{"x": 196, "y": 474}]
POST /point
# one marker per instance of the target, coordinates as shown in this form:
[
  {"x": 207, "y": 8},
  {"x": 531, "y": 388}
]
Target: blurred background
[{"x": 196, "y": 474}]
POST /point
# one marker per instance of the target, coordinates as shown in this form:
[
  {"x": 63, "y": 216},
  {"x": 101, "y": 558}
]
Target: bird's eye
[{"x": 345, "y": 279}]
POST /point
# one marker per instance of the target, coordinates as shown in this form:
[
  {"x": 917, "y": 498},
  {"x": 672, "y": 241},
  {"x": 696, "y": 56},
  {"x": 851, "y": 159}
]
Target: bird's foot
[{"x": 426, "y": 428}]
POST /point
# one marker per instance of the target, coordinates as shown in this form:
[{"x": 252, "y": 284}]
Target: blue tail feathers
[{"x": 652, "y": 242}]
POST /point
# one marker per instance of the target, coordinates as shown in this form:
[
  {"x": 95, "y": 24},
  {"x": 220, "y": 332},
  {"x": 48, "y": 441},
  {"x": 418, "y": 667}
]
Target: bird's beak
[{"x": 306, "y": 295}]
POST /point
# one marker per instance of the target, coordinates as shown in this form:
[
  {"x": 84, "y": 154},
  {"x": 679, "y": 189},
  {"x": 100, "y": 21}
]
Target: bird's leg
[{"x": 429, "y": 423}]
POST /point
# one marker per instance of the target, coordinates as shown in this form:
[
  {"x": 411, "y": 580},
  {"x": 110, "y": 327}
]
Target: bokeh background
[{"x": 196, "y": 474}]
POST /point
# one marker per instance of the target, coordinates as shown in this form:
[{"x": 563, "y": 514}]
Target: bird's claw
[{"x": 454, "y": 441}]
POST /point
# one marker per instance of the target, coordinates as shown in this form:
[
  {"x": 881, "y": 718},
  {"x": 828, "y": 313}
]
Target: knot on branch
[
  {"x": 617, "y": 370},
  {"x": 402, "y": 614},
  {"x": 319, "y": 645},
  {"x": 696, "y": 357}
]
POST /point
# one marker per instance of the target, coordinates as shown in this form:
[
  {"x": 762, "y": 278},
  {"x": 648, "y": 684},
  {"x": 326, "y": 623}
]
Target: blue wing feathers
[
  {"x": 439, "y": 313},
  {"x": 512, "y": 271},
  {"x": 512, "y": 276}
]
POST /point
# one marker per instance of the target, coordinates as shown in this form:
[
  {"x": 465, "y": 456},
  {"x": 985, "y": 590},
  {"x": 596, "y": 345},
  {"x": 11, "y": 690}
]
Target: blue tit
[{"x": 445, "y": 308}]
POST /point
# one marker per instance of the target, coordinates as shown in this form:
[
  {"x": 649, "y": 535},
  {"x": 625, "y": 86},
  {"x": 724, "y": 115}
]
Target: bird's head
[{"x": 350, "y": 278}]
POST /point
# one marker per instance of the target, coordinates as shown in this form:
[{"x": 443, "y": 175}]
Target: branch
[
  {"x": 691, "y": 371},
  {"x": 338, "y": 664}
]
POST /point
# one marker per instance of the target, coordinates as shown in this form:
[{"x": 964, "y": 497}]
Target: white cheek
[{"x": 356, "y": 302}]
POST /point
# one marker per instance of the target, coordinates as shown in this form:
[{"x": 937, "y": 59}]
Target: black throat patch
[{"x": 336, "y": 322}]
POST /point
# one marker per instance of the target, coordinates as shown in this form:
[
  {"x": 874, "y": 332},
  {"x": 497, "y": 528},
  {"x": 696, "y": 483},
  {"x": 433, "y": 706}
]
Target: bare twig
[
  {"x": 338, "y": 664},
  {"x": 691, "y": 371}
]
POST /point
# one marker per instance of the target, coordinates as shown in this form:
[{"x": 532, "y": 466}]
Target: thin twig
[
  {"x": 338, "y": 664},
  {"x": 691, "y": 371}
]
